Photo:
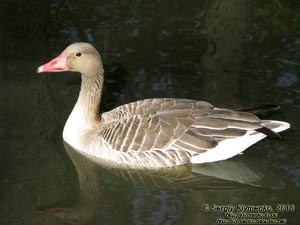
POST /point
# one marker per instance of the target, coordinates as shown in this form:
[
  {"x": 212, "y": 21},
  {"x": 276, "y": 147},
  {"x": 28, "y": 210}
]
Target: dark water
[{"x": 232, "y": 53}]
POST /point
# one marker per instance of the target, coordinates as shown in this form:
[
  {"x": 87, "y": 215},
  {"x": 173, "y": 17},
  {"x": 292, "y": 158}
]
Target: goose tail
[{"x": 231, "y": 147}]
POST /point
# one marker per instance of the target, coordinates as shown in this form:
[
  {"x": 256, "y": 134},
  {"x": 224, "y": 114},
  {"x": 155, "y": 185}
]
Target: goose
[{"x": 151, "y": 133}]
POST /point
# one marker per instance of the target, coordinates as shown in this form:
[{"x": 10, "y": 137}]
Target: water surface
[{"x": 232, "y": 53}]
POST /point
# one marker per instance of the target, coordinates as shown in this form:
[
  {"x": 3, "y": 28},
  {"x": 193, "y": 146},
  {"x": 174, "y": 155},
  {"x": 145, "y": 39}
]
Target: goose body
[{"x": 151, "y": 133}]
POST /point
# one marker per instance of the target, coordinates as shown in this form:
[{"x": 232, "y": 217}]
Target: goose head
[{"x": 78, "y": 57}]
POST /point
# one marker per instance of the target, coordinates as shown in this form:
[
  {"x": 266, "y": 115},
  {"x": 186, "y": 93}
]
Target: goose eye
[{"x": 78, "y": 54}]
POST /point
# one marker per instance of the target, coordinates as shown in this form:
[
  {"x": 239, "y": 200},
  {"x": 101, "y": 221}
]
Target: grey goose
[{"x": 151, "y": 133}]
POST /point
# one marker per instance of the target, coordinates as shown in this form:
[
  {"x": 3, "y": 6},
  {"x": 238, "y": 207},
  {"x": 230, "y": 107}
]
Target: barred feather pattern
[
  {"x": 154, "y": 133},
  {"x": 164, "y": 132}
]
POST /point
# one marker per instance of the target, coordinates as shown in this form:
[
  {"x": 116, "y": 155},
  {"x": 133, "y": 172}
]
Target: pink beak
[{"x": 57, "y": 64}]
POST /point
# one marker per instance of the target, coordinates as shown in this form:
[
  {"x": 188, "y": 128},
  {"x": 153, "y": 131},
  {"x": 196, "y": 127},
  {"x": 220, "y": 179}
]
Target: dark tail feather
[
  {"x": 260, "y": 110},
  {"x": 267, "y": 131}
]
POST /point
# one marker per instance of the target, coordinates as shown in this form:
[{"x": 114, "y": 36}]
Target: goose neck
[{"x": 90, "y": 97}]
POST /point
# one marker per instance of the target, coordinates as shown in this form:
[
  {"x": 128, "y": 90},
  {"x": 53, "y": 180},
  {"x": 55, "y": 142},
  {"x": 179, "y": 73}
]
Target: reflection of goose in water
[
  {"x": 217, "y": 176},
  {"x": 81, "y": 209}
]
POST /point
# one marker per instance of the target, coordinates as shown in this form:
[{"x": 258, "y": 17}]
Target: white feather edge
[{"x": 231, "y": 147}]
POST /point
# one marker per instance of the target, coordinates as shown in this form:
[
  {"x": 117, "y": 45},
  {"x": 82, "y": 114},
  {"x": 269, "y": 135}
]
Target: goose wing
[{"x": 163, "y": 125}]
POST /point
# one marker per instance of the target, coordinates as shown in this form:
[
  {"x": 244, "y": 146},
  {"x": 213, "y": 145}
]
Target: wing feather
[{"x": 165, "y": 125}]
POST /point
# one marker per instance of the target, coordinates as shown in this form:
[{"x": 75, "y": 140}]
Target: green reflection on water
[{"x": 232, "y": 53}]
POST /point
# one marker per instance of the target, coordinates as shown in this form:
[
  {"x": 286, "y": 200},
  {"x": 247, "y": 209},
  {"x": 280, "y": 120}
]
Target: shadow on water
[{"x": 233, "y": 53}]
